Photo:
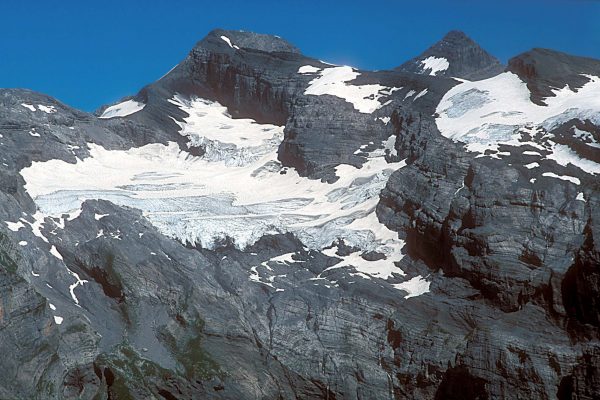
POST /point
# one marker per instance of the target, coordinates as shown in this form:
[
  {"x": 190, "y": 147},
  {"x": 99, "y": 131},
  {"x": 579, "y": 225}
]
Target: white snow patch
[
  {"x": 227, "y": 40},
  {"x": 580, "y": 196},
  {"x": 410, "y": 93},
  {"x": 14, "y": 226},
  {"x": 78, "y": 281},
  {"x": 414, "y": 287},
  {"x": 55, "y": 253},
  {"x": 22, "y": 243},
  {"x": 122, "y": 109},
  {"x": 421, "y": 94},
  {"x": 333, "y": 81},
  {"x": 98, "y": 217},
  {"x": 47, "y": 109},
  {"x": 563, "y": 177},
  {"x": 30, "y": 107},
  {"x": 58, "y": 320},
  {"x": 432, "y": 65},
  {"x": 532, "y": 165},
  {"x": 308, "y": 69},
  {"x": 564, "y": 156},
  {"x": 52, "y": 307},
  {"x": 284, "y": 258},
  {"x": 32, "y": 132},
  {"x": 36, "y": 225},
  {"x": 389, "y": 144}
]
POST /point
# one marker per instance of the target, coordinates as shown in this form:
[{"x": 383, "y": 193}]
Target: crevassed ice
[
  {"x": 485, "y": 114},
  {"x": 334, "y": 82},
  {"x": 203, "y": 199},
  {"x": 433, "y": 65},
  {"x": 122, "y": 109}
]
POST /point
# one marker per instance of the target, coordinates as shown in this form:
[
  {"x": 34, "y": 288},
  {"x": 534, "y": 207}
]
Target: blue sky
[{"x": 90, "y": 53}]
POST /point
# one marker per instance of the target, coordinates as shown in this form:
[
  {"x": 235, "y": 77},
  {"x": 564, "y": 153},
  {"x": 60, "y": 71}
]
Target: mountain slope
[
  {"x": 546, "y": 70},
  {"x": 261, "y": 224},
  {"x": 456, "y": 55}
]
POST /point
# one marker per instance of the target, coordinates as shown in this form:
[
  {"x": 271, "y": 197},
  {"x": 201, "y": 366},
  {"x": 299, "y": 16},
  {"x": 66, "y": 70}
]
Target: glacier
[{"x": 237, "y": 190}]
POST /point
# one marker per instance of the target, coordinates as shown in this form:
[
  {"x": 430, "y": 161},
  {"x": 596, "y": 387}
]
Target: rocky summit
[{"x": 260, "y": 224}]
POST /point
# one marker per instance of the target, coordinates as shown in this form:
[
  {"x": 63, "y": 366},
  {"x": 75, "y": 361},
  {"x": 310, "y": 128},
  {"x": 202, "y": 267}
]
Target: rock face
[
  {"x": 546, "y": 70},
  {"x": 261, "y": 224},
  {"x": 456, "y": 55}
]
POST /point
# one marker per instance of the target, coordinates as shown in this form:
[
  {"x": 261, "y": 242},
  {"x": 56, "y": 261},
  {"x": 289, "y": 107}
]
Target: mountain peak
[
  {"x": 456, "y": 35},
  {"x": 238, "y": 39},
  {"x": 455, "y": 55}
]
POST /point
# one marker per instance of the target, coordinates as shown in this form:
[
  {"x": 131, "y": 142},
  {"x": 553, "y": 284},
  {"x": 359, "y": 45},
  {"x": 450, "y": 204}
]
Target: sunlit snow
[
  {"x": 55, "y": 253},
  {"x": 236, "y": 190},
  {"x": 308, "y": 69},
  {"x": 334, "y": 82},
  {"x": 420, "y": 94},
  {"x": 14, "y": 226},
  {"x": 432, "y": 65},
  {"x": 228, "y": 41},
  {"x": 563, "y": 177},
  {"x": 47, "y": 109},
  {"x": 491, "y": 112},
  {"x": 414, "y": 287},
  {"x": 122, "y": 109}
]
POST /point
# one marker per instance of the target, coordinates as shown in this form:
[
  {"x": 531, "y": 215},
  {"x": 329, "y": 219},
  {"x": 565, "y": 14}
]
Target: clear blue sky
[{"x": 88, "y": 53}]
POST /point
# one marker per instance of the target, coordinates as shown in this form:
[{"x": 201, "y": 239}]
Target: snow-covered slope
[
  {"x": 334, "y": 81},
  {"x": 123, "y": 109},
  {"x": 237, "y": 189},
  {"x": 498, "y": 111}
]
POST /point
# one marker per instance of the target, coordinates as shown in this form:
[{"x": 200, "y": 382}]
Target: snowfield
[
  {"x": 334, "y": 82},
  {"x": 488, "y": 113},
  {"x": 238, "y": 189}
]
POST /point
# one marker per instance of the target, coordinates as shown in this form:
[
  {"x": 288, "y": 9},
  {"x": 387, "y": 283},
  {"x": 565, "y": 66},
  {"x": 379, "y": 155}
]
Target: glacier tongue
[{"x": 238, "y": 189}]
